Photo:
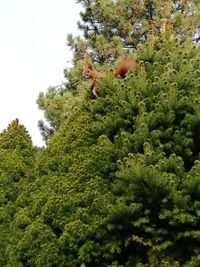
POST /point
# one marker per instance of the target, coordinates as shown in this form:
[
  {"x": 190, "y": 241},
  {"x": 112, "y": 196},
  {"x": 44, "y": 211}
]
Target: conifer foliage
[
  {"x": 118, "y": 183},
  {"x": 17, "y": 159}
]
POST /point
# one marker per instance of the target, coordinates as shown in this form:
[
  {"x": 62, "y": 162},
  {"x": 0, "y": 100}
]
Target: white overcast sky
[{"x": 33, "y": 55}]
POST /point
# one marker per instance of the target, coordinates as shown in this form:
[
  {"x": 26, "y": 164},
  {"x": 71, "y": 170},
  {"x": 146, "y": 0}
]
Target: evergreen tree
[
  {"x": 113, "y": 29},
  {"x": 118, "y": 184},
  {"x": 56, "y": 104},
  {"x": 16, "y": 163},
  {"x": 110, "y": 25}
]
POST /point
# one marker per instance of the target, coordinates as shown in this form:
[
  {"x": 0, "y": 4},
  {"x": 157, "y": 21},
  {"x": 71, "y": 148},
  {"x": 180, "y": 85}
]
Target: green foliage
[
  {"x": 118, "y": 183},
  {"x": 112, "y": 30},
  {"x": 131, "y": 22},
  {"x": 17, "y": 158},
  {"x": 57, "y": 104}
]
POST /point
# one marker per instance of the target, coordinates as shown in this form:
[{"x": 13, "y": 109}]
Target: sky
[{"x": 33, "y": 55}]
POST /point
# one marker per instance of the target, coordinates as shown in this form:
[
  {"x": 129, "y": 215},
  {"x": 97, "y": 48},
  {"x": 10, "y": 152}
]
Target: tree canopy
[{"x": 118, "y": 181}]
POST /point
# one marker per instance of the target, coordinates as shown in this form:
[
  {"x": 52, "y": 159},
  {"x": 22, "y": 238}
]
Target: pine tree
[
  {"x": 56, "y": 104},
  {"x": 112, "y": 30},
  {"x": 110, "y": 25},
  {"x": 118, "y": 184},
  {"x": 113, "y": 187}
]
